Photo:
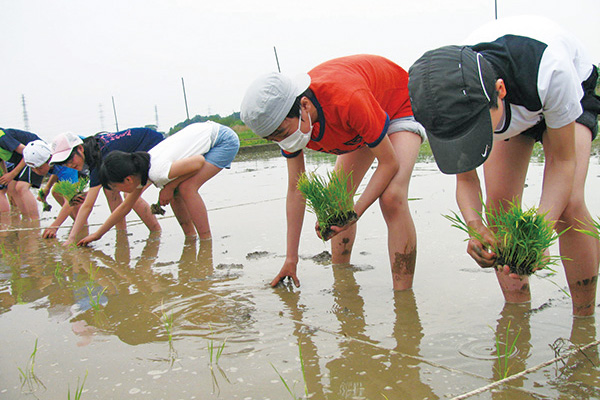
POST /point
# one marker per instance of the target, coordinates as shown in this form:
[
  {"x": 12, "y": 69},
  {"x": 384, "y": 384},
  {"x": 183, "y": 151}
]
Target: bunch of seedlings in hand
[
  {"x": 45, "y": 205},
  {"x": 157, "y": 209},
  {"x": 70, "y": 190},
  {"x": 521, "y": 237},
  {"x": 329, "y": 199}
]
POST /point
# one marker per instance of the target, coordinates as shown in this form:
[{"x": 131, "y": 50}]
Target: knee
[
  {"x": 22, "y": 190},
  {"x": 393, "y": 201},
  {"x": 574, "y": 214},
  {"x": 186, "y": 189}
]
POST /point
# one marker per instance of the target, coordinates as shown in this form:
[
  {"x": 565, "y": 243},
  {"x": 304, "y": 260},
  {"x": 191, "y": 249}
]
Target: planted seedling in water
[
  {"x": 28, "y": 376},
  {"x": 70, "y": 190},
  {"x": 329, "y": 199},
  {"x": 78, "y": 390},
  {"x": 503, "y": 357},
  {"x": 521, "y": 237},
  {"x": 290, "y": 391}
]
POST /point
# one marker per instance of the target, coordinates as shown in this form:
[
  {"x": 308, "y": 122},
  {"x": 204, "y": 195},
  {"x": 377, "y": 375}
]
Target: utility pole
[
  {"x": 496, "y": 9},
  {"x": 25, "y": 117},
  {"x": 156, "y": 115},
  {"x": 276, "y": 59},
  {"x": 101, "y": 112},
  {"x": 185, "y": 99},
  {"x": 115, "y": 112}
]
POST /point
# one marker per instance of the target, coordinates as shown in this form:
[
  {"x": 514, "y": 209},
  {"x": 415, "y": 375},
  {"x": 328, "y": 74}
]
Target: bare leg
[
  {"x": 142, "y": 209},
  {"x": 183, "y": 216},
  {"x": 113, "y": 197},
  {"x": 402, "y": 236},
  {"x": 27, "y": 202},
  {"x": 505, "y": 171},
  {"x": 358, "y": 162},
  {"x": 188, "y": 190},
  {"x": 581, "y": 252}
]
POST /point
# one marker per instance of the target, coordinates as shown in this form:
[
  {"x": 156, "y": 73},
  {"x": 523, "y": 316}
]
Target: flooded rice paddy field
[{"x": 156, "y": 317}]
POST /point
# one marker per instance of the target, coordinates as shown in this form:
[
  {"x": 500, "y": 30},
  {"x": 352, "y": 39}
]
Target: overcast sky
[{"x": 70, "y": 58}]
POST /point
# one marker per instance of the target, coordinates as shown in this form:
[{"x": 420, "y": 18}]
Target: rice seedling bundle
[
  {"x": 329, "y": 199},
  {"x": 70, "y": 190},
  {"x": 521, "y": 237},
  {"x": 45, "y": 205},
  {"x": 157, "y": 209}
]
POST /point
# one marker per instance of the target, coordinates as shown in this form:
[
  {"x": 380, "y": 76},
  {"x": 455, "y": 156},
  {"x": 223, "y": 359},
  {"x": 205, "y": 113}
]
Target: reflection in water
[
  {"x": 365, "y": 370},
  {"x": 512, "y": 330},
  {"x": 362, "y": 369}
]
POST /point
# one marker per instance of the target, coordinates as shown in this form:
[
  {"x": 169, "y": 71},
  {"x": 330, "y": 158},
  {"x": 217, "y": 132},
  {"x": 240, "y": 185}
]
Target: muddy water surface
[{"x": 156, "y": 317}]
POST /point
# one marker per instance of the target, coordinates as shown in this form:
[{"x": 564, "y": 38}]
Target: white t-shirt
[
  {"x": 554, "y": 56},
  {"x": 192, "y": 140}
]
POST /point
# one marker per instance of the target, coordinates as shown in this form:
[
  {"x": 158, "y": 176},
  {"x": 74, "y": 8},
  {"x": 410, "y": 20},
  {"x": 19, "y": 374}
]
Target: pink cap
[{"x": 63, "y": 145}]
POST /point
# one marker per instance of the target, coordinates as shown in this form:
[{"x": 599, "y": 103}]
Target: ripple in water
[{"x": 484, "y": 349}]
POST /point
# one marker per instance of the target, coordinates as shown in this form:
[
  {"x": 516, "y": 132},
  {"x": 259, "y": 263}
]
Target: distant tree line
[{"x": 230, "y": 121}]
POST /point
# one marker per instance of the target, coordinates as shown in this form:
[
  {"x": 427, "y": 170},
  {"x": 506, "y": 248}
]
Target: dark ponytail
[
  {"x": 118, "y": 165},
  {"x": 91, "y": 151}
]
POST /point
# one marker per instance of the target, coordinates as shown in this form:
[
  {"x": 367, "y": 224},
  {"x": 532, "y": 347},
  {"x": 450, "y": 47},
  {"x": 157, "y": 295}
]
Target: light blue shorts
[{"x": 225, "y": 148}]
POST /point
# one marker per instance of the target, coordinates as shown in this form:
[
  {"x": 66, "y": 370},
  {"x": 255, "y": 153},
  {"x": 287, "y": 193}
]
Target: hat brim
[
  {"x": 465, "y": 151},
  {"x": 61, "y": 156}
]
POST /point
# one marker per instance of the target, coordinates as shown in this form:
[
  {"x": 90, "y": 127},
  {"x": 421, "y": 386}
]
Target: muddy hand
[
  {"x": 87, "y": 240},
  {"x": 480, "y": 254},
  {"x": 287, "y": 271},
  {"x": 76, "y": 200},
  {"x": 165, "y": 196},
  {"x": 49, "y": 233}
]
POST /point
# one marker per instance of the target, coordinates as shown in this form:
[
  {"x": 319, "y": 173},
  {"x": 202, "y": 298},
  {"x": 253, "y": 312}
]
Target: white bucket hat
[{"x": 269, "y": 99}]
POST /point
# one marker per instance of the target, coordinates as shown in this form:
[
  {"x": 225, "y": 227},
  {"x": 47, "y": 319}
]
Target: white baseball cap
[
  {"x": 63, "y": 145},
  {"x": 36, "y": 153},
  {"x": 269, "y": 99}
]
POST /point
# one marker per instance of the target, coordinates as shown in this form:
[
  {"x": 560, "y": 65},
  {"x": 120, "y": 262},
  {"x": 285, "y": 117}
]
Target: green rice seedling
[
  {"x": 303, "y": 375},
  {"x": 285, "y": 383},
  {"x": 167, "y": 321},
  {"x": 59, "y": 273},
  {"x": 215, "y": 352},
  {"x": 329, "y": 199},
  {"x": 521, "y": 237},
  {"x": 78, "y": 390},
  {"x": 157, "y": 209},
  {"x": 95, "y": 297},
  {"x": 70, "y": 190},
  {"x": 503, "y": 367},
  {"x": 27, "y": 375},
  {"x": 302, "y": 368},
  {"x": 45, "y": 205},
  {"x": 595, "y": 233}
]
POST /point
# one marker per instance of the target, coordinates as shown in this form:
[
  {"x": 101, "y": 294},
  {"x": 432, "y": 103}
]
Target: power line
[{"x": 25, "y": 117}]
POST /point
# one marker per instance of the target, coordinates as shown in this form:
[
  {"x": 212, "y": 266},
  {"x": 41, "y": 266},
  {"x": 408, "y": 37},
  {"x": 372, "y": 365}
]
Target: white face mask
[{"x": 297, "y": 140}]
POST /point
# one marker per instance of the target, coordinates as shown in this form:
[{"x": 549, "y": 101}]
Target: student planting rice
[
  {"x": 37, "y": 156},
  {"x": 71, "y": 151},
  {"x": 179, "y": 166},
  {"x": 358, "y": 108},
  {"x": 526, "y": 80},
  {"x": 17, "y": 177}
]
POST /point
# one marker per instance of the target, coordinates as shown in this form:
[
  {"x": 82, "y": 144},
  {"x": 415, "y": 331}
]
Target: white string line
[
  {"x": 523, "y": 373},
  {"x": 139, "y": 221}
]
